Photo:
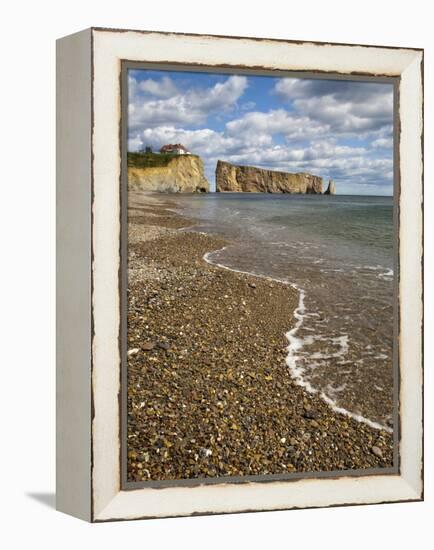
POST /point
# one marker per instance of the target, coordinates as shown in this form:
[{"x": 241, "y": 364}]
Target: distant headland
[{"x": 175, "y": 170}]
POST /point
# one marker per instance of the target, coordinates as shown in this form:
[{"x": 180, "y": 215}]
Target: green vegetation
[{"x": 149, "y": 159}]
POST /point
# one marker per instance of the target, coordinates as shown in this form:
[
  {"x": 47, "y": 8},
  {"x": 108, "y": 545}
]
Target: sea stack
[
  {"x": 331, "y": 189},
  {"x": 234, "y": 178}
]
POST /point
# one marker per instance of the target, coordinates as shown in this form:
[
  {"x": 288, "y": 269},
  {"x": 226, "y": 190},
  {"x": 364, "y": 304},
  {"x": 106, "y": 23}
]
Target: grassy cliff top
[{"x": 148, "y": 160}]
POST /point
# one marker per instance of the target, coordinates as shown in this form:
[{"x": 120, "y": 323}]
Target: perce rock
[
  {"x": 179, "y": 174},
  {"x": 249, "y": 179}
]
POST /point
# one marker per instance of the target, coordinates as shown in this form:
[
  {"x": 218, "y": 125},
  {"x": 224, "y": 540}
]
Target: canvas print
[{"x": 261, "y": 251}]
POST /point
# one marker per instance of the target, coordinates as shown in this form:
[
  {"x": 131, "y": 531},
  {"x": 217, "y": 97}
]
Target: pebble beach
[{"x": 209, "y": 390}]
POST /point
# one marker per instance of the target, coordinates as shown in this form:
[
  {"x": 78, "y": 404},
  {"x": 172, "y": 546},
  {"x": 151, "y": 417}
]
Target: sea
[{"x": 338, "y": 253}]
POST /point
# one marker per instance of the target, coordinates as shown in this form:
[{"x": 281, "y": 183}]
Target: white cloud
[
  {"x": 278, "y": 121},
  {"x": 347, "y": 117},
  {"x": 382, "y": 143},
  {"x": 191, "y": 107},
  {"x": 135, "y": 143},
  {"x": 310, "y": 133},
  {"x": 205, "y": 142},
  {"x": 315, "y": 154},
  {"x": 164, "y": 87},
  {"x": 345, "y": 90},
  {"x": 324, "y": 158},
  {"x": 347, "y": 107},
  {"x": 221, "y": 96}
]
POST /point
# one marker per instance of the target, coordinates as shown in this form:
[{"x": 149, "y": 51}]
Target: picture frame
[{"x": 91, "y": 228}]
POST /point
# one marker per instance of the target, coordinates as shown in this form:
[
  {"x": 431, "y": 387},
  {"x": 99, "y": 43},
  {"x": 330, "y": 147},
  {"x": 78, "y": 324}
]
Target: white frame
[{"x": 89, "y": 88}]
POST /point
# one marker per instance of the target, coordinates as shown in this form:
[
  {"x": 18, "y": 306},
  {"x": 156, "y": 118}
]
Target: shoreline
[
  {"x": 289, "y": 429},
  {"x": 295, "y": 371}
]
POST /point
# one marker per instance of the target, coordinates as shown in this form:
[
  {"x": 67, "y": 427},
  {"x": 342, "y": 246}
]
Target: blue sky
[{"x": 331, "y": 128}]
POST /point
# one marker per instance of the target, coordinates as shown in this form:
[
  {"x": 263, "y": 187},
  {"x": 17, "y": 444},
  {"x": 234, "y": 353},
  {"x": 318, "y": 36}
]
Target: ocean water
[{"x": 338, "y": 252}]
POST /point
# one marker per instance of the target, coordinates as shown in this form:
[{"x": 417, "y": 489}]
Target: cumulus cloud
[
  {"x": 339, "y": 129},
  {"x": 325, "y": 158},
  {"x": 347, "y": 117},
  {"x": 334, "y": 161},
  {"x": 344, "y": 90},
  {"x": 205, "y": 142},
  {"x": 167, "y": 105},
  {"x": 221, "y": 96},
  {"x": 279, "y": 121},
  {"x": 347, "y": 107},
  {"x": 164, "y": 87},
  {"x": 382, "y": 143}
]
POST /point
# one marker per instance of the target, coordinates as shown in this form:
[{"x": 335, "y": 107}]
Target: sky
[{"x": 336, "y": 129}]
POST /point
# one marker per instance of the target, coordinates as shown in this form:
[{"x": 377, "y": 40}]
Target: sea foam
[{"x": 296, "y": 344}]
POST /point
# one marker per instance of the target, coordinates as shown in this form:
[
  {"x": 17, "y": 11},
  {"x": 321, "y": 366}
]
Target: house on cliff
[{"x": 175, "y": 149}]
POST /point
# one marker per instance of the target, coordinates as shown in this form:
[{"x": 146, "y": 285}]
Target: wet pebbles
[{"x": 209, "y": 393}]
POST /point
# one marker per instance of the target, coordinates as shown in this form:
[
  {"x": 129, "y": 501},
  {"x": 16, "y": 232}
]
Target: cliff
[
  {"x": 331, "y": 189},
  {"x": 248, "y": 179},
  {"x": 166, "y": 173}
]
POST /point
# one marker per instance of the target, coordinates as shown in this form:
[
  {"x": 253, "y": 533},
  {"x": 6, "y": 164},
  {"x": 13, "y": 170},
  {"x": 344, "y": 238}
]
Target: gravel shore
[{"x": 209, "y": 392}]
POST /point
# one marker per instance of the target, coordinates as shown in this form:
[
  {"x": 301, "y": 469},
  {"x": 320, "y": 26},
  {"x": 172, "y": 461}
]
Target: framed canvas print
[{"x": 239, "y": 263}]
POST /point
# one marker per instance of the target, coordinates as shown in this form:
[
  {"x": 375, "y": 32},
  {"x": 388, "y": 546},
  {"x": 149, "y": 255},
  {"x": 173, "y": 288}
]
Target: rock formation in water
[
  {"x": 249, "y": 179},
  {"x": 166, "y": 173},
  {"x": 331, "y": 189}
]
